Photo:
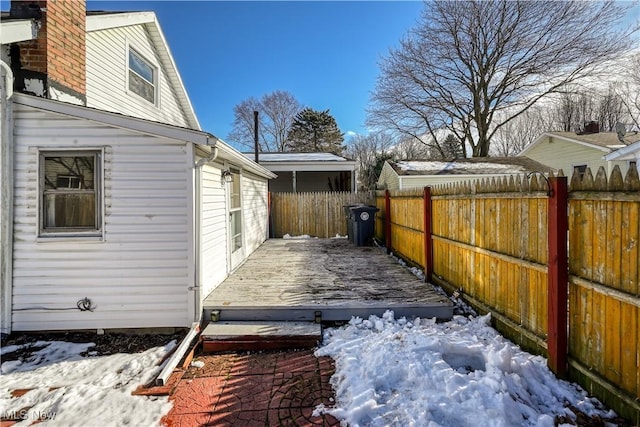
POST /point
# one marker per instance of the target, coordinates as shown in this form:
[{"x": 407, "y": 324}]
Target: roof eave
[
  {"x": 116, "y": 20},
  {"x": 118, "y": 120},
  {"x": 144, "y": 126},
  {"x": 229, "y": 153},
  {"x": 629, "y": 152},
  {"x": 18, "y": 30}
]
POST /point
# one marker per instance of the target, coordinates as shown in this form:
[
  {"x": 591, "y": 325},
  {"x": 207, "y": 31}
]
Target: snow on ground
[
  {"x": 301, "y": 237},
  {"x": 457, "y": 373},
  {"x": 71, "y": 390}
]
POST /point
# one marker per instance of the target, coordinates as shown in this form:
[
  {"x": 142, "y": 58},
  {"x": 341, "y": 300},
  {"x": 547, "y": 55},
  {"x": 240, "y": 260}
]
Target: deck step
[{"x": 245, "y": 336}]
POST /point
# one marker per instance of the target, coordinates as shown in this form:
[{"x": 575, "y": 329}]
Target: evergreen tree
[
  {"x": 315, "y": 131},
  {"x": 452, "y": 148}
]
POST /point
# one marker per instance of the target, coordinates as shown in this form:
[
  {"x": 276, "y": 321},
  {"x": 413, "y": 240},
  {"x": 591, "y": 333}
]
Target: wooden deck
[{"x": 322, "y": 279}]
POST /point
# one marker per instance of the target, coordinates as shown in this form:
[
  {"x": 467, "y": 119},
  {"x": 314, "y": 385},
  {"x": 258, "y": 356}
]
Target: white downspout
[
  {"x": 184, "y": 346},
  {"x": 198, "y": 229},
  {"x": 6, "y": 197}
]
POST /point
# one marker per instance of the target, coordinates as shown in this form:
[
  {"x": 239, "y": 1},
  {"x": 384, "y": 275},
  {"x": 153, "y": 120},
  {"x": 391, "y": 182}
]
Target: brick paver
[{"x": 256, "y": 389}]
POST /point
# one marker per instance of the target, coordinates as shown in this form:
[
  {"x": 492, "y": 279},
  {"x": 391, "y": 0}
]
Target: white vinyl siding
[
  {"x": 107, "y": 82},
  {"x": 140, "y": 274},
  {"x": 561, "y": 154},
  {"x": 388, "y": 178},
  {"x": 213, "y": 232},
  {"x": 255, "y": 198}
]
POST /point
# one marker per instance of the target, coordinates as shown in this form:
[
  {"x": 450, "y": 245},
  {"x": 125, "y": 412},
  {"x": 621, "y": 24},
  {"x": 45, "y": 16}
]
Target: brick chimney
[
  {"x": 54, "y": 65},
  {"x": 592, "y": 127}
]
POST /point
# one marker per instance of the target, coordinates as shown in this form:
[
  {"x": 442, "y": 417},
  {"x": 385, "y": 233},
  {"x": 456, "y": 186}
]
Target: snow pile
[
  {"x": 301, "y": 237},
  {"x": 71, "y": 390},
  {"x": 462, "y": 372}
]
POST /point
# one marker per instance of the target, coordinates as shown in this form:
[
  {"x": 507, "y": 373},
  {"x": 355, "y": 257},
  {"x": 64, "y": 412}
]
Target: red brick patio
[{"x": 254, "y": 389}]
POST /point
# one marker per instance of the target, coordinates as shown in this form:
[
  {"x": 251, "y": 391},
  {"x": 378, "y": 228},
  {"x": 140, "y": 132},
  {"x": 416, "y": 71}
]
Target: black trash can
[
  {"x": 349, "y": 217},
  {"x": 364, "y": 220}
]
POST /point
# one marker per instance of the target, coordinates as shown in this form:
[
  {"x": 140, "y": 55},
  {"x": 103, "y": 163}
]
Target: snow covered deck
[{"x": 303, "y": 279}]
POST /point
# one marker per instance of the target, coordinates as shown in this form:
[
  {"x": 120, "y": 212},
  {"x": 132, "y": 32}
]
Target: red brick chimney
[
  {"x": 592, "y": 127},
  {"x": 58, "y": 56}
]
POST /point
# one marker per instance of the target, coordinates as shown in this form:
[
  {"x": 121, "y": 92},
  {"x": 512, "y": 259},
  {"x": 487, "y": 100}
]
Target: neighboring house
[
  {"x": 124, "y": 219},
  {"x": 572, "y": 151},
  {"x": 406, "y": 174},
  {"x": 305, "y": 172}
]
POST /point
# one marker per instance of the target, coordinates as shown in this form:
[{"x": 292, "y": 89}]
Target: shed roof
[
  {"x": 299, "y": 157},
  {"x": 472, "y": 166}
]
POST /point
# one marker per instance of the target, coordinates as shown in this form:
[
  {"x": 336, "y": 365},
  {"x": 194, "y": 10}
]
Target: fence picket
[
  {"x": 314, "y": 214},
  {"x": 490, "y": 239},
  {"x": 485, "y": 230}
]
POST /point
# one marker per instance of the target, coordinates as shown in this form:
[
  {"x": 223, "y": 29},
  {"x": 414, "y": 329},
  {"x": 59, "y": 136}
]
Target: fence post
[
  {"x": 558, "y": 275},
  {"x": 387, "y": 220},
  {"x": 428, "y": 240},
  {"x": 269, "y": 216}
]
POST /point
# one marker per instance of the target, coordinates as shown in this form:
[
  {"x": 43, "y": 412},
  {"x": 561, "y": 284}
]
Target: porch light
[{"x": 227, "y": 177}]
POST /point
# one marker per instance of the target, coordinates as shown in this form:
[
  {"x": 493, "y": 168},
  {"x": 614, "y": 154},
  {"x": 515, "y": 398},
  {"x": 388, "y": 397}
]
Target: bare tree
[
  {"x": 474, "y": 66},
  {"x": 628, "y": 89},
  {"x": 415, "y": 148},
  {"x": 511, "y": 138},
  {"x": 572, "y": 109},
  {"x": 369, "y": 151},
  {"x": 277, "y": 111}
]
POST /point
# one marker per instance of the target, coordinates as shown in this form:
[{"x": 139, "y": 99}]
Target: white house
[
  {"x": 406, "y": 174},
  {"x": 308, "y": 172},
  {"x": 115, "y": 213},
  {"x": 574, "y": 152}
]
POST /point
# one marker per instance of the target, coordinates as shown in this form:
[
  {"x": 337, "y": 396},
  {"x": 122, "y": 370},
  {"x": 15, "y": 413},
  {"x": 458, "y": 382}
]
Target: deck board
[{"x": 328, "y": 275}]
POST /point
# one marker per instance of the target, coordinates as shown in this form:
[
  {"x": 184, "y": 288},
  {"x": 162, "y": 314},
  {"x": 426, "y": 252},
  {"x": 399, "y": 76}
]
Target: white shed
[
  {"x": 405, "y": 174},
  {"x": 308, "y": 172},
  {"x": 122, "y": 222}
]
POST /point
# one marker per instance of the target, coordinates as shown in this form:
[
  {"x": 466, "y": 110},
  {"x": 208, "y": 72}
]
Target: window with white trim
[
  {"x": 143, "y": 77},
  {"x": 70, "y": 201}
]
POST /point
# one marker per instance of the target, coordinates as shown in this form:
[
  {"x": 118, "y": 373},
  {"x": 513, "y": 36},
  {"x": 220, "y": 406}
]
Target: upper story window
[
  {"x": 143, "y": 77},
  {"x": 70, "y": 193},
  {"x": 580, "y": 170}
]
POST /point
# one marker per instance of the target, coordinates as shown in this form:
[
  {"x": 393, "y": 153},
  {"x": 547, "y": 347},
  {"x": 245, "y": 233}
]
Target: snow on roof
[
  {"x": 475, "y": 166},
  {"x": 298, "y": 157}
]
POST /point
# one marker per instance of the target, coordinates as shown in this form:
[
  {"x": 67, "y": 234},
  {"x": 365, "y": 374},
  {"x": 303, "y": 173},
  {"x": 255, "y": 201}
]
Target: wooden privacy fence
[
  {"x": 557, "y": 267},
  {"x": 314, "y": 214}
]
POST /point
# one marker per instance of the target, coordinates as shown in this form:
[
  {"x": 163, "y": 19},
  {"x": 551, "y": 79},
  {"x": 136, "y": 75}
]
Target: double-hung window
[
  {"x": 70, "y": 199},
  {"x": 143, "y": 77}
]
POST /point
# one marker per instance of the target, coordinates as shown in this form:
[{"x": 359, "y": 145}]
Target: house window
[
  {"x": 580, "y": 170},
  {"x": 235, "y": 211},
  {"x": 69, "y": 193},
  {"x": 142, "y": 77}
]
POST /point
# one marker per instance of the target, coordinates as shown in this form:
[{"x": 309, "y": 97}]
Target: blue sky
[{"x": 324, "y": 53}]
